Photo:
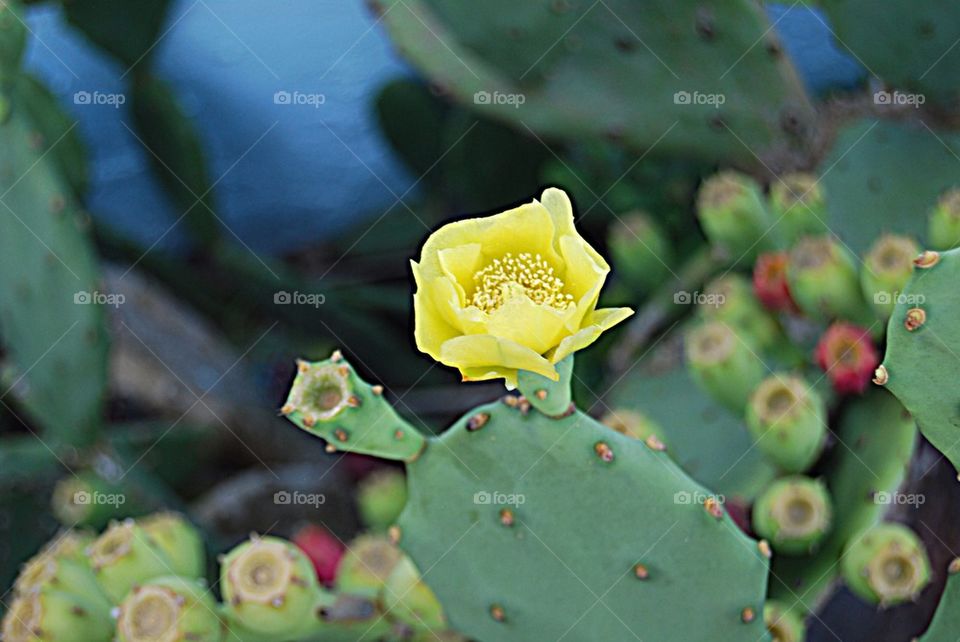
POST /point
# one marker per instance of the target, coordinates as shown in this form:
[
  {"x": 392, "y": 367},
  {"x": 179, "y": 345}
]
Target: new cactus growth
[
  {"x": 381, "y": 497},
  {"x": 723, "y": 364},
  {"x": 846, "y": 354},
  {"x": 787, "y": 418},
  {"x": 124, "y": 556},
  {"x": 798, "y": 206},
  {"x": 770, "y": 282},
  {"x": 783, "y": 624},
  {"x": 734, "y": 216},
  {"x": 823, "y": 280},
  {"x": 50, "y": 615},
  {"x": 946, "y": 621},
  {"x": 732, "y": 300},
  {"x": 269, "y": 587},
  {"x": 887, "y": 268},
  {"x": 794, "y": 514},
  {"x": 180, "y": 541},
  {"x": 62, "y": 573},
  {"x": 367, "y": 565},
  {"x": 943, "y": 231},
  {"x": 169, "y": 609},
  {"x": 887, "y": 565},
  {"x": 410, "y": 600}
]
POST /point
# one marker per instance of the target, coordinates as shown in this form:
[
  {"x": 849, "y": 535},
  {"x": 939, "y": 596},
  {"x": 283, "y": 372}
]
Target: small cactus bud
[
  {"x": 367, "y": 564},
  {"x": 798, "y": 205},
  {"x": 381, "y": 497},
  {"x": 732, "y": 299},
  {"x": 783, "y": 624},
  {"x": 733, "y": 215},
  {"x": 887, "y": 268},
  {"x": 169, "y": 608},
  {"x": 943, "y": 230},
  {"x": 180, "y": 540},
  {"x": 793, "y": 513},
  {"x": 269, "y": 586},
  {"x": 323, "y": 549},
  {"x": 408, "y": 598},
  {"x": 640, "y": 250},
  {"x": 847, "y": 355},
  {"x": 723, "y": 364},
  {"x": 124, "y": 556},
  {"x": 50, "y": 615},
  {"x": 787, "y": 418},
  {"x": 887, "y": 564},
  {"x": 770, "y": 282},
  {"x": 823, "y": 280}
]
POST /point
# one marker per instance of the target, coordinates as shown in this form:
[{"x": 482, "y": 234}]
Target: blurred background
[{"x": 238, "y": 184}]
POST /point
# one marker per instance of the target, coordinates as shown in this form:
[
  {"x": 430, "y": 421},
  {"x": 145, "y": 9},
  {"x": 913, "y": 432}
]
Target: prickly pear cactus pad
[
  {"x": 945, "y": 626},
  {"x": 534, "y": 66},
  {"x": 535, "y": 527},
  {"x": 921, "y": 365}
]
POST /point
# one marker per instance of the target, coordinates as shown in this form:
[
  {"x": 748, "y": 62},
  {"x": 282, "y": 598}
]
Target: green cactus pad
[
  {"x": 532, "y": 63},
  {"x": 945, "y": 626},
  {"x": 567, "y": 528},
  {"x": 875, "y": 441},
  {"x": 13, "y": 39},
  {"x": 920, "y": 366},
  {"x": 50, "y": 310}
]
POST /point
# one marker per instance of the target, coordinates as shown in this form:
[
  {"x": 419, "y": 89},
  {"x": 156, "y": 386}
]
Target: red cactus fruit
[
  {"x": 847, "y": 354},
  {"x": 323, "y": 549},
  {"x": 770, "y": 282}
]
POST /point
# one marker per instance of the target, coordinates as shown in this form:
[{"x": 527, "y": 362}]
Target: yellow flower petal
[
  {"x": 522, "y": 321},
  {"x": 460, "y": 264},
  {"x": 493, "y": 353},
  {"x": 599, "y": 321}
]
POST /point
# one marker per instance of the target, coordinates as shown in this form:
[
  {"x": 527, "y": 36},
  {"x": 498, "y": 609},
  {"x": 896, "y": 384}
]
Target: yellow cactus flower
[{"x": 513, "y": 291}]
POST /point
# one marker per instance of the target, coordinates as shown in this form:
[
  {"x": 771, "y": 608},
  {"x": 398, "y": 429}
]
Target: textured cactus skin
[
  {"x": 901, "y": 43},
  {"x": 920, "y": 364},
  {"x": 550, "y": 52},
  {"x": 562, "y": 538},
  {"x": 945, "y": 626},
  {"x": 45, "y": 260},
  {"x": 880, "y": 440}
]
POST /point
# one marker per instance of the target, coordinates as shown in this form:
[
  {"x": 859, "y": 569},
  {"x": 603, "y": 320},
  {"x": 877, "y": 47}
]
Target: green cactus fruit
[
  {"x": 329, "y": 400},
  {"x": 61, "y": 572},
  {"x": 731, "y": 299},
  {"x": 723, "y": 364},
  {"x": 823, "y": 280},
  {"x": 794, "y": 514},
  {"x": 13, "y": 39},
  {"x": 366, "y": 566},
  {"x": 407, "y": 598},
  {"x": 634, "y": 423},
  {"x": 640, "y": 249},
  {"x": 886, "y": 269},
  {"x": 886, "y": 565},
  {"x": 86, "y": 499},
  {"x": 946, "y": 621},
  {"x": 380, "y": 498},
  {"x": 269, "y": 586},
  {"x": 180, "y": 540},
  {"x": 490, "y": 501},
  {"x": 798, "y": 206},
  {"x": 788, "y": 419},
  {"x": 734, "y": 216},
  {"x": 943, "y": 231},
  {"x": 169, "y": 609},
  {"x": 124, "y": 556},
  {"x": 919, "y": 366},
  {"x": 782, "y": 624},
  {"x": 50, "y": 615}
]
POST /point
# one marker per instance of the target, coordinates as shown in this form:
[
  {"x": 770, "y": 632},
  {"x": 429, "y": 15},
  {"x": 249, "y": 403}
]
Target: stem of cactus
[
  {"x": 330, "y": 401},
  {"x": 552, "y": 398}
]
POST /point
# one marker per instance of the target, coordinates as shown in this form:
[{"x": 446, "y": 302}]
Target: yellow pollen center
[{"x": 522, "y": 275}]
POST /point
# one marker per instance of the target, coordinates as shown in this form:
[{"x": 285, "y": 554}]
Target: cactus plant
[
  {"x": 787, "y": 418},
  {"x": 793, "y": 513},
  {"x": 169, "y": 608},
  {"x": 734, "y": 215},
  {"x": 943, "y": 231},
  {"x": 945, "y": 625},
  {"x": 381, "y": 497},
  {"x": 124, "y": 556},
  {"x": 886, "y": 564}
]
